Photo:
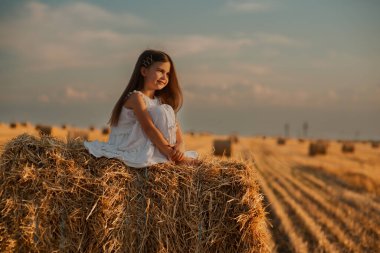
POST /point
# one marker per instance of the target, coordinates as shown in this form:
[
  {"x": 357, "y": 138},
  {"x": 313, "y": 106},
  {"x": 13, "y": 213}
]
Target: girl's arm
[
  {"x": 179, "y": 138},
  {"x": 179, "y": 147},
  {"x": 136, "y": 102}
]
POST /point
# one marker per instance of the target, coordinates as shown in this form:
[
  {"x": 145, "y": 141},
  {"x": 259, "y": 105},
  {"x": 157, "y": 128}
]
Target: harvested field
[{"x": 323, "y": 203}]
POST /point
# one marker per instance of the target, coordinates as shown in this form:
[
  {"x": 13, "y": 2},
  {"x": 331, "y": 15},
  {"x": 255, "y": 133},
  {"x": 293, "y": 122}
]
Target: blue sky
[{"x": 244, "y": 66}]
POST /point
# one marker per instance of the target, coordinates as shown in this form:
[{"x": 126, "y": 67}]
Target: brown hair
[{"x": 171, "y": 94}]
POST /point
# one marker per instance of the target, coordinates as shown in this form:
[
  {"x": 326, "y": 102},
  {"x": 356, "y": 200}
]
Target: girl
[{"x": 144, "y": 130}]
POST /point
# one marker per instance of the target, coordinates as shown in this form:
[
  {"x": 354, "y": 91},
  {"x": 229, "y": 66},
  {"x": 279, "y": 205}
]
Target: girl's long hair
[{"x": 171, "y": 94}]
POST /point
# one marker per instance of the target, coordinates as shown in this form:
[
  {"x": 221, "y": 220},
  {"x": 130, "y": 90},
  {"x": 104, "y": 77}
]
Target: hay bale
[
  {"x": 105, "y": 131},
  {"x": 318, "y": 148},
  {"x": 44, "y": 129},
  {"x": 13, "y": 125},
  {"x": 25, "y": 124},
  {"x": 222, "y": 147},
  {"x": 56, "y": 197},
  {"x": 348, "y": 147},
  {"x": 77, "y": 134},
  {"x": 281, "y": 141},
  {"x": 375, "y": 144}
]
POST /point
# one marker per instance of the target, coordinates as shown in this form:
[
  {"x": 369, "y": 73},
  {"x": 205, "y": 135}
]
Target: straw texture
[{"x": 56, "y": 197}]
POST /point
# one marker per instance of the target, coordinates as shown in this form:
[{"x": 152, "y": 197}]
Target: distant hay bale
[
  {"x": 64, "y": 126},
  {"x": 105, "y": 130},
  {"x": 56, "y": 197},
  {"x": 222, "y": 147},
  {"x": 44, "y": 129},
  {"x": 91, "y": 128},
  {"x": 348, "y": 147},
  {"x": 13, "y": 125},
  {"x": 318, "y": 148},
  {"x": 25, "y": 124},
  {"x": 77, "y": 134},
  {"x": 300, "y": 140},
  {"x": 281, "y": 141},
  {"x": 375, "y": 144}
]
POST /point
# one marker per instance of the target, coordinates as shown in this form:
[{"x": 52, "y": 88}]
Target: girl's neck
[{"x": 148, "y": 93}]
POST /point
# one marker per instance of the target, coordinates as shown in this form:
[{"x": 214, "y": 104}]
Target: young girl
[{"x": 144, "y": 130}]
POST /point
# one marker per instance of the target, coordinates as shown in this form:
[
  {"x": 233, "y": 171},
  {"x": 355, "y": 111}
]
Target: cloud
[
  {"x": 256, "y": 94},
  {"x": 81, "y": 35},
  {"x": 278, "y": 39},
  {"x": 195, "y": 44},
  {"x": 43, "y": 98},
  {"x": 81, "y": 13},
  {"x": 250, "y": 69},
  {"x": 69, "y": 36},
  {"x": 334, "y": 57},
  {"x": 247, "y": 6},
  {"x": 74, "y": 94},
  {"x": 71, "y": 93},
  {"x": 224, "y": 77}
]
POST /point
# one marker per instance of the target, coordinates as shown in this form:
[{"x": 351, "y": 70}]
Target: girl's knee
[{"x": 161, "y": 113}]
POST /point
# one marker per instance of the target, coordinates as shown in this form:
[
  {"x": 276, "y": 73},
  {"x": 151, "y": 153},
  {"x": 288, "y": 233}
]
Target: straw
[{"x": 55, "y": 196}]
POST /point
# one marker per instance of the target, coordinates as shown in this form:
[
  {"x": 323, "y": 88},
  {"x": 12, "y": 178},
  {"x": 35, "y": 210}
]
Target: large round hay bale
[
  {"x": 375, "y": 144},
  {"x": 222, "y": 147},
  {"x": 13, "y": 125},
  {"x": 281, "y": 141},
  {"x": 25, "y": 124},
  {"x": 44, "y": 129},
  {"x": 56, "y": 197},
  {"x": 77, "y": 134},
  {"x": 318, "y": 148},
  {"x": 348, "y": 147}
]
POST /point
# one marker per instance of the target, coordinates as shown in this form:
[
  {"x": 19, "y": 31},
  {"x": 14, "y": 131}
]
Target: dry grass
[{"x": 56, "y": 197}]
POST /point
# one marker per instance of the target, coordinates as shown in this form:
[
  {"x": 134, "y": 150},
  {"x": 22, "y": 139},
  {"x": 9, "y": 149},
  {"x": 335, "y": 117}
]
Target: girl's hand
[
  {"x": 168, "y": 152},
  {"x": 178, "y": 152}
]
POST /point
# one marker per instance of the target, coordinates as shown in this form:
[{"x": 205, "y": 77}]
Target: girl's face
[{"x": 156, "y": 76}]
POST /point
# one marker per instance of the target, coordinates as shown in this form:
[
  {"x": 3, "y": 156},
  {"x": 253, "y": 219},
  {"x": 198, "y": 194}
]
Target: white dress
[{"x": 129, "y": 143}]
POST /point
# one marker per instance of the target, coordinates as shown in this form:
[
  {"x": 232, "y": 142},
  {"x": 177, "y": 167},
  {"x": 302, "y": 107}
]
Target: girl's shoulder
[
  {"x": 135, "y": 92},
  {"x": 134, "y": 98}
]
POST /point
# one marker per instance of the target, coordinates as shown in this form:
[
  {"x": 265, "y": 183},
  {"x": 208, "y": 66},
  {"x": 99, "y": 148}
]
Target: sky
[{"x": 245, "y": 66}]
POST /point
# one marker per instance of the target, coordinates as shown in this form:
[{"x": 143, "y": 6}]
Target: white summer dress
[{"x": 129, "y": 143}]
